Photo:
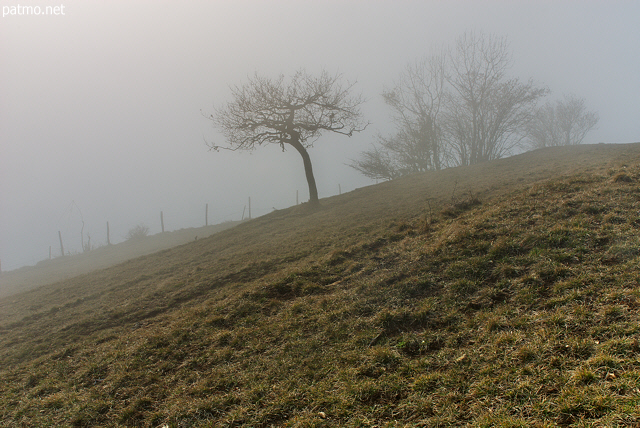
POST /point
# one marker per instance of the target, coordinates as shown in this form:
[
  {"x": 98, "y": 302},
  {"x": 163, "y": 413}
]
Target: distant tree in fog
[
  {"x": 137, "y": 232},
  {"x": 563, "y": 123},
  {"x": 488, "y": 111},
  {"x": 458, "y": 107},
  {"x": 289, "y": 112},
  {"x": 379, "y": 163},
  {"x": 416, "y": 100}
]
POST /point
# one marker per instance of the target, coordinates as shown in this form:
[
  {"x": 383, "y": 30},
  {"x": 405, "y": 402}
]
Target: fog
[{"x": 101, "y": 107}]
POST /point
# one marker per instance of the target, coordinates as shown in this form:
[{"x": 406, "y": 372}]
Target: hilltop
[{"x": 502, "y": 294}]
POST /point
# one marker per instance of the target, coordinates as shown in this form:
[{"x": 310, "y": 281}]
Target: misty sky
[{"x": 100, "y": 108}]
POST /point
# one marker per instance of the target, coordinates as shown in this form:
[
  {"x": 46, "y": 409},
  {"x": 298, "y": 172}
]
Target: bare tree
[
  {"x": 454, "y": 108},
  {"x": 138, "y": 232},
  {"x": 488, "y": 112},
  {"x": 292, "y": 112},
  {"x": 378, "y": 164},
  {"x": 563, "y": 123},
  {"x": 416, "y": 102}
]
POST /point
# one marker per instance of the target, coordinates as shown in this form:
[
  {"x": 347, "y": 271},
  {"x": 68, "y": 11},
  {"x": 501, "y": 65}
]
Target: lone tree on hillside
[
  {"x": 564, "y": 123},
  {"x": 292, "y": 112}
]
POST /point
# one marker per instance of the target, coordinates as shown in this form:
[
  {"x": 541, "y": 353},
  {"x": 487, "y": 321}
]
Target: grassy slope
[
  {"x": 63, "y": 268},
  {"x": 392, "y": 305}
]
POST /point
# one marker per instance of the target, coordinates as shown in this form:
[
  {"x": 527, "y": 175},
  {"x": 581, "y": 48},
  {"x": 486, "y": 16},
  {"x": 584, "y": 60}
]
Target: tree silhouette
[
  {"x": 417, "y": 100},
  {"x": 489, "y": 111},
  {"x": 293, "y": 112},
  {"x": 564, "y": 123},
  {"x": 456, "y": 107}
]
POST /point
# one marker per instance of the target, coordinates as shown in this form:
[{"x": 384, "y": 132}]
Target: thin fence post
[
  {"x": 339, "y": 190},
  {"x": 108, "y": 239},
  {"x": 206, "y": 215},
  {"x": 249, "y": 207},
  {"x": 61, "y": 246},
  {"x": 82, "y": 237},
  {"x": 296, "y": 197},
  {"x": 162, "y": 221}
]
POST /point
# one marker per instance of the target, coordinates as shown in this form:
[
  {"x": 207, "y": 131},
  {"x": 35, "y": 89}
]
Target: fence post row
[{"x": 206, "y": 222}]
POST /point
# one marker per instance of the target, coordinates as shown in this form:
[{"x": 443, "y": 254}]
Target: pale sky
[{"x": 100, "y": 105}]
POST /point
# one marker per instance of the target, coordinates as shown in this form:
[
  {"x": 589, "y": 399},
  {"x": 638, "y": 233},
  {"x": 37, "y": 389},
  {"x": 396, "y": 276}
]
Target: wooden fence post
[
  {"x": 296, "y": 197},
  {"x": 162, "y": 221},
  {"x": 249, "y": 207},
  {"x": 108, "y": 239},
  {"x": 206, "y": 215},
  {"x": 61, "y": 246},
  {"x": 339, "y": 190}
]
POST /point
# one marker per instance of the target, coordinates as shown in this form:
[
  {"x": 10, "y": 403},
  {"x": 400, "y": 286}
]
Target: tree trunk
[{"x": 308, "y": 170}]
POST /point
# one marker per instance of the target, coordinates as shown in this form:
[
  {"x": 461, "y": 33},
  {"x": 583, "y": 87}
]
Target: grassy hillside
[
  {"x": 504, "y": 294},
  {"x": 62, "y": 268}
]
